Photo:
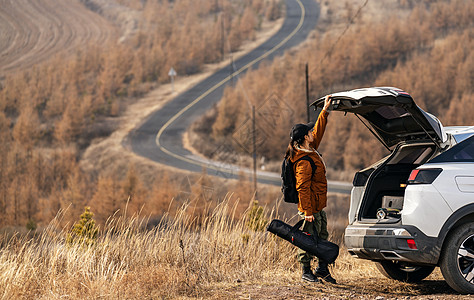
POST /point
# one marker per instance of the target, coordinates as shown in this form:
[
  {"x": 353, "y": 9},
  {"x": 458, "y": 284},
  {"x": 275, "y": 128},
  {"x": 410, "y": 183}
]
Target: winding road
[{"x": 159, "y": 138}]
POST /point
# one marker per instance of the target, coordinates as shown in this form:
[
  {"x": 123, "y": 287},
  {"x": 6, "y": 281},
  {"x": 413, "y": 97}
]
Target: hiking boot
[
  {"x": 323, "y": 272},
  {"x": 308, "y": 275}
]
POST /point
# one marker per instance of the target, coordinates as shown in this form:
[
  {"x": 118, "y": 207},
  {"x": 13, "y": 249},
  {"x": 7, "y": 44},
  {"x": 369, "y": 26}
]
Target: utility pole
[
  {"x": 222, "y": 35},
  {"x": 231, "y": 69},
  {"x": 307, "y": 93},
  {"x": 254, "y": 133}
]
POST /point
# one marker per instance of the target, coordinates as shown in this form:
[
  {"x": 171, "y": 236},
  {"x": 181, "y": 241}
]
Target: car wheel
[
  {"x": 404, "y": 272},
  {"x": 457, "y": 259}
]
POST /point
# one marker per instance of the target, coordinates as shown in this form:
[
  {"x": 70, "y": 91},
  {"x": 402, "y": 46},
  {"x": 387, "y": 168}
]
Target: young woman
[{"x": 312, "y": 188}]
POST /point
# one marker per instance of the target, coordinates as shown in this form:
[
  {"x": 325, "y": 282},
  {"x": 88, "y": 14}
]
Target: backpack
[{"x": 288, "y": 185}]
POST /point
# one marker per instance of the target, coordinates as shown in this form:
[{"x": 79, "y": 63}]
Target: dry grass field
[{"x": 212, "y": 255}]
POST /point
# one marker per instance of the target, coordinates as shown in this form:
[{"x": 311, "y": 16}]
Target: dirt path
[
  {"x": 358, "y": 279},
  {"x": 32, "y": 31}
]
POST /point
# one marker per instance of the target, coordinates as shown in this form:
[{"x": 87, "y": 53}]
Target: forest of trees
[
  {"x": 50, "y": 113},
  {"x": 428, "y": 53}
]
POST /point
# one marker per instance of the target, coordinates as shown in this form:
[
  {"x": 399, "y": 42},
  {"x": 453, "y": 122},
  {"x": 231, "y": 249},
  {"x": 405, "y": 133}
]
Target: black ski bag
[{"x": 313, "y": 244}]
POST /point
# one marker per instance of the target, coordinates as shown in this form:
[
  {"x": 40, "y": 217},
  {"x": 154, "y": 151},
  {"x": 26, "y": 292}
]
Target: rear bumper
[{"x": 389, "y": 242}]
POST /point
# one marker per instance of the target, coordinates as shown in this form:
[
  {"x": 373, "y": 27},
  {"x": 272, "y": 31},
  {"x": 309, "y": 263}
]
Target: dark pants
[{"x": 321, "y": 223}]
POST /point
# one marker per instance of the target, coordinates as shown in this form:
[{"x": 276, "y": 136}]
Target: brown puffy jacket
[{"x": 312, "y": 191}]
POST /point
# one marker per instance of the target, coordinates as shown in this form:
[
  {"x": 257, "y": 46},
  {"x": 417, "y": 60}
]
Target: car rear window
[
  {"x": 412, "y": 155},
  {"x": 391, "y": 112},
  {"x": 462, "y": 152}
]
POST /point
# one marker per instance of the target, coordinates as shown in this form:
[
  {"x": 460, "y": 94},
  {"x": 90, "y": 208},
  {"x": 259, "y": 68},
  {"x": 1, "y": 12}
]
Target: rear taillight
[
  {"x": 423, "y": 176},
  {"x": 413, "y": 175},
  {"x": 411, "y": 244}
]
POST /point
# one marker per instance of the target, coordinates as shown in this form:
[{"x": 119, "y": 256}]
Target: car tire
[
  {"x": 402, "y": 272},
  {"x": 457, "y": 259}
]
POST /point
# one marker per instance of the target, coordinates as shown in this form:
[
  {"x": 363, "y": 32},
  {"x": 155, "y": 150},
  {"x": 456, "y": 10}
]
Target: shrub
[
  {"x": 256, "y": 220},
  {"x": 84, "y": 232},
  {"x": 31, "y": 225}
]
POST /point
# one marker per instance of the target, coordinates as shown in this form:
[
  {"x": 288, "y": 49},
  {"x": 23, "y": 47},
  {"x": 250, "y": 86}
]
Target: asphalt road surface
[{"x": 159, "y": 138}]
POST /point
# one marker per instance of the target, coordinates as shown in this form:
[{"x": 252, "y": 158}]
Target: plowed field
[{"x": 31, "y": 31}]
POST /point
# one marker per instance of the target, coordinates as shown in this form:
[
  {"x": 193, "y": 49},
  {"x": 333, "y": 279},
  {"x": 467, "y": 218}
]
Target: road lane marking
[{"x": 202, "y": 96}]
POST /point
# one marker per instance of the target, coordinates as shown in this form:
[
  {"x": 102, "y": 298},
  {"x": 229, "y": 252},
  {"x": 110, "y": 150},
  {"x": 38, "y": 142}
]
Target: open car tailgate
[{"x": 391, "y": 114}]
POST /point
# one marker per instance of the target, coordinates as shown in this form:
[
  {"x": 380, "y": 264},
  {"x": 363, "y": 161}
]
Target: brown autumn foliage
[
  {"x": 427, "y": 53},
  {"x": 50, "y": 113}
]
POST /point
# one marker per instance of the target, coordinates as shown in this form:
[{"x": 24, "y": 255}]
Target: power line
[
  {"x": 350, "y": 23},
  {"x": 241, "y": 86}
]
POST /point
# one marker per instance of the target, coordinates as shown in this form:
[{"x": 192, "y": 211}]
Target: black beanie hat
[{"x": 300, "y": 130}]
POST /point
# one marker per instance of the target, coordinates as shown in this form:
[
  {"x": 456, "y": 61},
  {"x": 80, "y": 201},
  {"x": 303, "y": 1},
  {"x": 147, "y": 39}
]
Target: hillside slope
[
  {"x": 67, "y": 84},
  {"x": 33, "y": 31},
  {"x": 423, "y": 47}
]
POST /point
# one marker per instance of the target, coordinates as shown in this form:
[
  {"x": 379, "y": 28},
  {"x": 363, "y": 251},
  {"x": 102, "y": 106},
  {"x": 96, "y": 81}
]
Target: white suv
[{"x": 414, "y": 209}]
